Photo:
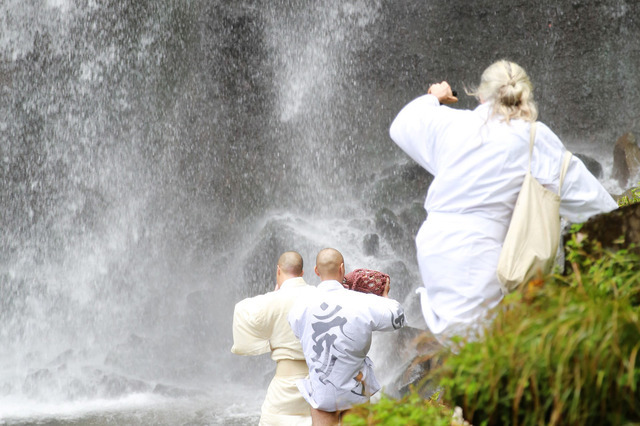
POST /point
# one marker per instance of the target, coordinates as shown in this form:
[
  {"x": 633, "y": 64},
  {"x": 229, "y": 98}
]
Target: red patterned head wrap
[{"x": 365, "y": 281}]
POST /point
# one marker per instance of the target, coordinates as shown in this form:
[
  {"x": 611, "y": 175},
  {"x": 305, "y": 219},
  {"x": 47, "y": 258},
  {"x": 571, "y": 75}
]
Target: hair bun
[
  {"x": 507, "y": 85},
  {"x": 510, "y": 94}
]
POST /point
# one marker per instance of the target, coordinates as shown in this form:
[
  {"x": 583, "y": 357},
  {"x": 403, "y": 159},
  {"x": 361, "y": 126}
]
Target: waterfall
[{"x": 157, "y": 156}]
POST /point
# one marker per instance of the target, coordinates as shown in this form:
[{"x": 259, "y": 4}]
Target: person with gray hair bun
[
  {"x": 507, "y": 86},
  {"x": 479, "y": 159}
]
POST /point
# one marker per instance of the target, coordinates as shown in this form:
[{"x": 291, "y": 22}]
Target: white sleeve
[
  {"x": 250, "y": 336},
  {"x": 582, "y": 194},
  {"x": 413, "y": 131},
  {"x": 390, "y": 314}
]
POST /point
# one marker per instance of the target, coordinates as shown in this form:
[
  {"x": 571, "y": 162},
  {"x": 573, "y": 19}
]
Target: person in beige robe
[{"x": 260, "y": 326}]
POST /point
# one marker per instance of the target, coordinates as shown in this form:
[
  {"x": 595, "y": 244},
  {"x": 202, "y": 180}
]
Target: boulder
[
  {"x": 592, "y": 165},
  {"x": 176, "y": 392},
  {"x": 412, "y": 216},
  {"x": 399, "y": 186},
  {"x": 417, "y": 354},
  {"x": 626, "y": 159},
  {"x": 388, "y": 224},
  {"x": 278, "y": 235},
  {"x": 630, "y": 196},
  {"x": 402, "y": 280},
  {"x": 371, "y": 244},
  {"x": 615, "y": 230}
]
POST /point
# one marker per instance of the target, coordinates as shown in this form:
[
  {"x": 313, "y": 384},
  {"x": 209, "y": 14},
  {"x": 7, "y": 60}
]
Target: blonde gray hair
[{"x": 507, "y": 86}]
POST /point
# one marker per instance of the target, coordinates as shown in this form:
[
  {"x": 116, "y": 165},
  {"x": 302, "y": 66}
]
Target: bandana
[{"x": 365, "y": 281}]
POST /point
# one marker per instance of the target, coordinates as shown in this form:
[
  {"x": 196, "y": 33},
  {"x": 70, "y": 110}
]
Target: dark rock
[
  {"x": 400, "y": 186},
  {"x": 63, "y": 357},
  {"x": 412, "y": 217},
  {"x": 592, "y": 165},
  {"x": 6, "y": 389},
  {"x": 626, "y": 159},
  {"x": 175, "y": 392},
  {"x": 36, "y": 381},
  {"x": 388, "y": 225},
  {"x": 419, "y": 353},
  {"x": 113, "y": 386},
  {"x": 615, "y": 230},
  {"x": 630, "y": 196},
  {"x": 401, "y": 280},
  {"x": 125, "y": 353},
  {"x": 371, "y": 244},
  {"x": 276, "y": 237}
]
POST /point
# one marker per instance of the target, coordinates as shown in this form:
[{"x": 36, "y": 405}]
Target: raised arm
[{"x": 412, "y": 131}]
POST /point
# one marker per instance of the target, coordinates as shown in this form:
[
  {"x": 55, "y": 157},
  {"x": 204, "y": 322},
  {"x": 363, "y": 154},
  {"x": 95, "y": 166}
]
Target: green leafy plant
[
  {"x": 602, "y": 272},
  {"x": 564, "y": 351},
  {"x": 410, "y": 410},
  {"x": 631, "y": 196}
]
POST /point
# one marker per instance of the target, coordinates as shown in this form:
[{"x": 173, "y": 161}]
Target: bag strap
[
  {"x": 532, "y": 137},
  {"x": 566, "y": 158},
  {"x": 563, "y": 170}
]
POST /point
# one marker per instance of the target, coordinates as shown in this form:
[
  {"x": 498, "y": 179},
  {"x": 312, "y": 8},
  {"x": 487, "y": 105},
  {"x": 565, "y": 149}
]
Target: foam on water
[{"x": 228, "y": 405}]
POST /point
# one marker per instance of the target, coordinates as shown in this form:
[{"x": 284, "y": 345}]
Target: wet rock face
[
  {"x": 167, "y": 118},
  {"x": 626, "y": 159},
  {"x": 572, "y": 50},
  {"x": 630, "y": 196},
  {"x": 389, "y": 225},
  {"x": 591, "y": 164},
  {"x": 371, "y": 244},
  {"x": 610, "y": 227}
]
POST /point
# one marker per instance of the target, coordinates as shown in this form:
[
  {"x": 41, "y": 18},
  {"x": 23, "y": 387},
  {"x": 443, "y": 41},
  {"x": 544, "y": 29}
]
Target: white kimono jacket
[
  {"x": 335, "y": 327},
  {"x": 479, "y": 164},
  {"x": 259, "y": 326}
]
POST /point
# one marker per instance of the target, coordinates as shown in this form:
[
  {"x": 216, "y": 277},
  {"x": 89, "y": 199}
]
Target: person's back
[
  {"x": 479, "y": 167},
  {"x": 260, "y": 326},
  {"x": 338, "y": 325},
  {"x": 478, "y": 156},
  {"x": 479, "y": 159},
  {"x": 267, "y": 313},
  {"x": 335, "y": 327}
]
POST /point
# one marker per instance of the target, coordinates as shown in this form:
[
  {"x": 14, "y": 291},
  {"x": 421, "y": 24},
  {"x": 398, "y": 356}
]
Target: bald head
[
  {"x": 289, "y": 266},
  {"x": 290, "y": 263},
  {"x": 330, "y": 265}
]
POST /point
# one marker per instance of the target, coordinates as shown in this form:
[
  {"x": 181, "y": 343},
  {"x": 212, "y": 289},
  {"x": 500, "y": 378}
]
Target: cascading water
[
  {"x": 143, "y": 142},
  {"x": 157, "y": 156}
]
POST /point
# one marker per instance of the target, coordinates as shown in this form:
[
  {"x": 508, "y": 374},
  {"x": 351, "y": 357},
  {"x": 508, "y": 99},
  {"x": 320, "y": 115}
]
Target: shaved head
[
  {"x": 290, "y": 263},
  {"x": 330, "y": 264}
]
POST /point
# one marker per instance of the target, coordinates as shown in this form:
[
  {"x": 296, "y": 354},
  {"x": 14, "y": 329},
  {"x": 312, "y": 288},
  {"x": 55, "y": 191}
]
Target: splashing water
[{"x": 157, "y": 156}]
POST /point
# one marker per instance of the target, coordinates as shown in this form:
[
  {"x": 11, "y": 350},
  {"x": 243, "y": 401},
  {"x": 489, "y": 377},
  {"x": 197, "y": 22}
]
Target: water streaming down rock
[{"x": 156, "y": 156}]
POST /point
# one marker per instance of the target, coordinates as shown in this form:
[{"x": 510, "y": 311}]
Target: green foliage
[
  {"x": 631, "y": 196},
  {"x": 411, "y": 410},
  {"x": 563, "y": 351},
  {"x": 600, "y": 272}
]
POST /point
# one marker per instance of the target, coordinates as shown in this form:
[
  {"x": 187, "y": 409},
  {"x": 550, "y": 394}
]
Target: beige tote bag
[{"x": 533, "y": 236}]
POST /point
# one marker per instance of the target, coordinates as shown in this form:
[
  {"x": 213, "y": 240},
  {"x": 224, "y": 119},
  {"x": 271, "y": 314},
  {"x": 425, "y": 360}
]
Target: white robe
[
  {"x": 335, "y": 327},
  {"x": 479, "y": 164},
  {"x": 259, "y": 326}
]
